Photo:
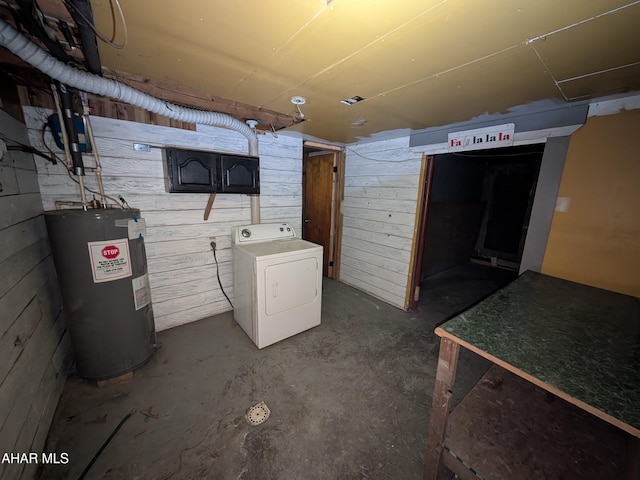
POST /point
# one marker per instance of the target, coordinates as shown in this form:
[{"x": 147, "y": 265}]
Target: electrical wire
[
  {"x": 458, "y": 154},
  {"x": 383, "y": 160},
  {"x": 213, "y": 247},
  {"x": 21, "y": 147},
  {"x": 28, "y": 149},
  {"x": 99, "y": 34}
]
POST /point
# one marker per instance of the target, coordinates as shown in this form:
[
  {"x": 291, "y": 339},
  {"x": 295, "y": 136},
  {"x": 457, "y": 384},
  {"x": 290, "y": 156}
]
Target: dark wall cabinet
[{"x": 194, "y": 171}]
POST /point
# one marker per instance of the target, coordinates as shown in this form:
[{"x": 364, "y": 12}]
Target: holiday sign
[{"x": 482, "y": 138}]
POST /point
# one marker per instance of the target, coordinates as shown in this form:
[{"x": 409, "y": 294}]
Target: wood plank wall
[
  {"x": 35, "y": 353},
  {"x": 380, "y": 198},
  {"x": 182, "y": 272}
]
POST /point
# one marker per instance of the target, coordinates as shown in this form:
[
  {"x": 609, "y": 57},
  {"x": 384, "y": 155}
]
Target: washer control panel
[{"x": 262, "y": 232}]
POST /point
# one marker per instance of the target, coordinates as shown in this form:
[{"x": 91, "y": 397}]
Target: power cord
[{"x": 213, "y": 247}]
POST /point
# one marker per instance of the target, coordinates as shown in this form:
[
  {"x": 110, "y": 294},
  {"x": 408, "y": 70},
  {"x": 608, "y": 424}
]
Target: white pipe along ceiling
[{"x": 28, "y": 51}]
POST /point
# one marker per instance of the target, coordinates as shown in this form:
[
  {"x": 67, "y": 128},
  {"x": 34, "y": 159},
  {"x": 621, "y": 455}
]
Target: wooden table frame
[{"x": 450, "y": 344}]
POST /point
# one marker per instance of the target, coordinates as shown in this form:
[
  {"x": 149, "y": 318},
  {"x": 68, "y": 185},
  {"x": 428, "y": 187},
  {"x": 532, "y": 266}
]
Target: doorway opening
[
  {"x": 322, "y": 195},
  {"x": 474, "y": 220}
]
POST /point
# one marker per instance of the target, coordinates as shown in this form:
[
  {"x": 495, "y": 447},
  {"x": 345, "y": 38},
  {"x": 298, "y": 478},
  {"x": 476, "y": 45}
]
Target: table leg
[
  {"x": 633, "y": 463},
  {"x": 445, "y": 377}
]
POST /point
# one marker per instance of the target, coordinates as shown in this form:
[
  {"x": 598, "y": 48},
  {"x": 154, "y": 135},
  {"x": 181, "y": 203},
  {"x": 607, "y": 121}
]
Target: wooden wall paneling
[
  {"x": 354, "y": 278},
  {"x": 170, "y": 298},
  {"x": 18, "y": 265},
  {"x": 203, "y": 260},
  {"x": 177, "y": 240},
  {"x": 22, "y": 292},
  {"x": 203, "y": 231},
  {"x": 179, "y": 218},
  {"x": 30, "y": 302},
  {"x": 402, "y": 256},
  {"x": 178, "y": 305},
  {"x": 167, "y": 249},
  {"x": 381, "y": 283},
  {"x": 274, "y": 200},
  {"x": 36, "y": 424},
  {"x": 386, "y": 192},
  {"x": 8, "y": 180},
  {"x": 196, "y": 312},
  {"x": 16, "y": 208},
  {"x": 391, "y": 276},
  {"x": 381, "y": 169},
  {"x": 391, "y": 206},
  {"x": 32, "y": 365},
  {"x": 392, "y": 218},
  {"x": 17, "y": 336},
  {"x": 391, "y": 179},
  {"x": 380, "y": 188},
  {"x": 281, "y": 164},
  {"x": 396, "y": 242},
  {"x": 384, "y": 228},
  {"x": 382, "y": 263},
  {"x": 279, "y": 177}
]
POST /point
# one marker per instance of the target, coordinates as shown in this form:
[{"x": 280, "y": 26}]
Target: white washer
[{"x": 277, "y": 282}]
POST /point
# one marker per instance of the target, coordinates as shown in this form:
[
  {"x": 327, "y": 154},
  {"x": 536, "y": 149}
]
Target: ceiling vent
[{"x": 352, "y": 100}]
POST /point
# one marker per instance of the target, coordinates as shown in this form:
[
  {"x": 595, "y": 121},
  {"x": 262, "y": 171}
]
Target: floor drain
[{"x": 258, "y": 414}]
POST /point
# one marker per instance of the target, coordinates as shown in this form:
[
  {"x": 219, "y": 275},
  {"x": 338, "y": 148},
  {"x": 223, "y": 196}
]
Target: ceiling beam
[{"x": 267, "y": 119}]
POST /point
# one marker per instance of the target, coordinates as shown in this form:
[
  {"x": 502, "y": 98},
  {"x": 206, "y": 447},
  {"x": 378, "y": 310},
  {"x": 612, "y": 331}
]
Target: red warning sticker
[
  {"x": 110, "y": 252},
  {"x": 110, "y": 260}
]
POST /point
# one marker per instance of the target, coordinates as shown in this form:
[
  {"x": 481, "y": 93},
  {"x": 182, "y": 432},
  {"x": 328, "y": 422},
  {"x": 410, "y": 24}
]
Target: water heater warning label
[
  {"x": 141, "y": 292},
  {"x": 110, "y": 260}
]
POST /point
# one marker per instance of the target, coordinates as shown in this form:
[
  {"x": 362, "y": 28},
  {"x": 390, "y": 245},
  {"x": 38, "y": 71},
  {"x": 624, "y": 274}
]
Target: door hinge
[
  {"x": 331, "y": 264},
  {"x": 335, "y": 169}
]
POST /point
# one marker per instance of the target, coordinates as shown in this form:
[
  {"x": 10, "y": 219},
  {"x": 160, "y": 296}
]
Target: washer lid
[{"x": 277, "y": 247}]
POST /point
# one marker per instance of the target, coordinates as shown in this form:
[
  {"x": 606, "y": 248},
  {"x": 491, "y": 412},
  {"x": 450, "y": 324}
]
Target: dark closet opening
[{"x": 478, "y": 215}]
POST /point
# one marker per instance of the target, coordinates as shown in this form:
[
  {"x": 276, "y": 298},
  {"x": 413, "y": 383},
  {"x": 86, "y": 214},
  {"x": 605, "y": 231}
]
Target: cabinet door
[
  {"x": 240, "y": 174},
  {"x": 191, "y": 171}
]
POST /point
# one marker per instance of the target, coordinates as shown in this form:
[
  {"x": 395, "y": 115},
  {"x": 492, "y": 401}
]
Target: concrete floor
[{"x": 349, "y": 399}]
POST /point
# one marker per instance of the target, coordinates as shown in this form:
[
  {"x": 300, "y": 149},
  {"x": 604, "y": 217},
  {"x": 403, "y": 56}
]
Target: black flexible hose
[{"x": 104, "y": 445}]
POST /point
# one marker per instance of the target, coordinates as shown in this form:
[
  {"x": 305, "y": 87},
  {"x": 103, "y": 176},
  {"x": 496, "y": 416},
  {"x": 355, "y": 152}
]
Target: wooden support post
[
  {"x": 445, "y": 377},
  {"x": 633, "y": 462},
  {"x": 207, "y": 209}
]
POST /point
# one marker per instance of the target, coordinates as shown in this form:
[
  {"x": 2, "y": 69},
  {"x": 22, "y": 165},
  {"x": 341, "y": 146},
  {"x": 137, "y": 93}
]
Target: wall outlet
[
  {"x": 213, "y": 240},
  {"x": 562, "y": 204}
]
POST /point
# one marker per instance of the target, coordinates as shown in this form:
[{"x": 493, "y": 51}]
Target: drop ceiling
[{"x": 416, "y": 63}]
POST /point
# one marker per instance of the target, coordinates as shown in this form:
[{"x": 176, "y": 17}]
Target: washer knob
[{"x": 245, "y": 232}]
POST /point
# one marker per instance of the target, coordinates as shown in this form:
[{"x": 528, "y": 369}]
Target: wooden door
[{"x": 318, "y": 201}]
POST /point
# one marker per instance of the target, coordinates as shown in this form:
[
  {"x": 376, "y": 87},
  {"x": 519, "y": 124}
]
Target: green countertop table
[{"x": 578, "y": 342}]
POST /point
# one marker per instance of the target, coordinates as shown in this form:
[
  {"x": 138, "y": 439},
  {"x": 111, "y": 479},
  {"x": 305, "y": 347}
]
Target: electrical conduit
[{"x": 24, "y": 48}]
